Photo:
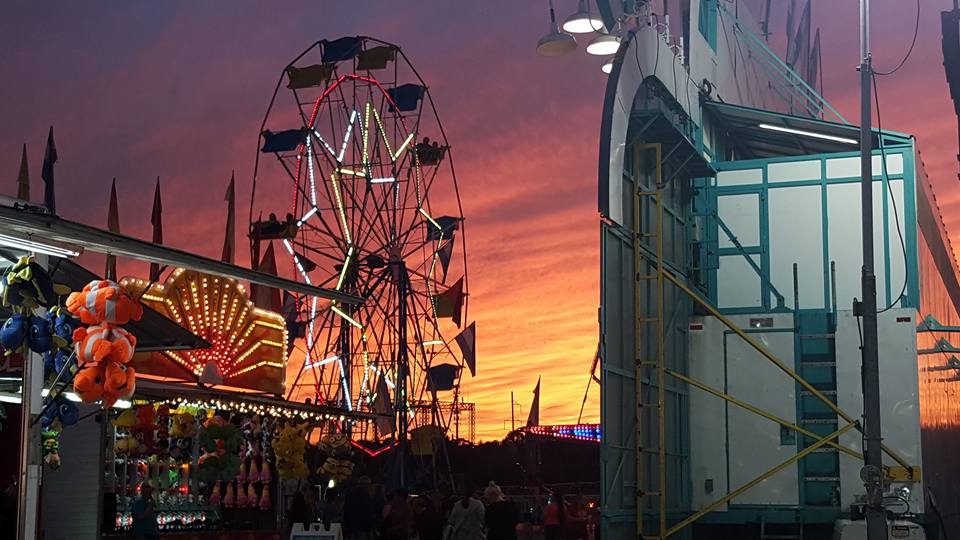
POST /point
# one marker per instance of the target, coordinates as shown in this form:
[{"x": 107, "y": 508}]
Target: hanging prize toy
[
  {"x": 215, "y": 496},
  {"x": 228, "y": 499},
  {"x": 265, "y": 498}
]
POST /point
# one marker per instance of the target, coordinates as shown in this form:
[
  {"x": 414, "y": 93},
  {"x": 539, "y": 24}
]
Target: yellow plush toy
[{"x": 289, "y": 446}]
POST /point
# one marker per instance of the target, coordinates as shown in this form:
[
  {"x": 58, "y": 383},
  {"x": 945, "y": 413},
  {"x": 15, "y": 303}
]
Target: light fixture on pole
[
  {"x": 555, "y": 42},
  {"x": 607, "y": 66},
  {"x": 582, "y": 22},
  {"x": 603, "y": 45}
]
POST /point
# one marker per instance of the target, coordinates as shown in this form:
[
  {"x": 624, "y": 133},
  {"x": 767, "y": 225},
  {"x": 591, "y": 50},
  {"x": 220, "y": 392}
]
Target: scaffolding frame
[{"x": 661, "y": 276}]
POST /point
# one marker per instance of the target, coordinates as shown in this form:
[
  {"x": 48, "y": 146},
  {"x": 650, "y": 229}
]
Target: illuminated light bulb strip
[
  {"x": 261, "y": 322},
  {"x": 259, "y": 408},
  {"x": 346, "y": 317},
  {"x": 262, "y": 363},
  {"x": 403, "y": 146},
  {"x": 387, "y": 180},
  {"x": 383, "y": 133},
  {"x": 433, "y": 342},
  {"x": 346, "y": 265},
  {"x": 426, "y": 215},
  {"x": 307, "y": 216},
  {"x": 310, "y": 173},
  {"x": 152, "y": 298},
  {"x": 346, "y": 138},
  {"x": 343, "y": 384},
  {"x": 351, "y": 172},
  {"x": 318, "y": 363},
  {"x": 343, "y": 212},
  {"x": 313, "y": 316},
  {"x": 296, "y": 260},
  {"x": 363, "y": 387},
  {"x": 366, "y": 136},
  {"x": 329, "y": 148}
]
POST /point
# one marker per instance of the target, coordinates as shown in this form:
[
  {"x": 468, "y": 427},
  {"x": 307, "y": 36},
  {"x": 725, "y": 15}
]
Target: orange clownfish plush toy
[
  {"x": 104, "y": 301},
  {"x": 104, "y": 349}
]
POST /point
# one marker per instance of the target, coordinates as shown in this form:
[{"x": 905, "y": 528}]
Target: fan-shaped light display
[{"x": 248, "y": 343}]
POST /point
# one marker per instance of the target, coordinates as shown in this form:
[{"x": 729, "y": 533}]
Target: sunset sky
[{"x": 178, "y": 89}]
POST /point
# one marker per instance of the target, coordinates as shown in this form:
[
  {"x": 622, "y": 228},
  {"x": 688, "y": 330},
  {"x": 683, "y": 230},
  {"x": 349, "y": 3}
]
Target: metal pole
[
  {"x": 31, "y": 464},
  {"x": 872, "y": 472},
  {"x": 513, "y": 419}
]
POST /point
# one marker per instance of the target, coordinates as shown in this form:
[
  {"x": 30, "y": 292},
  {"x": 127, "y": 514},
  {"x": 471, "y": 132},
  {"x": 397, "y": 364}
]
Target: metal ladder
[
  {"x": 817, "y": 363},
  {"x": 650, "y": 324}
]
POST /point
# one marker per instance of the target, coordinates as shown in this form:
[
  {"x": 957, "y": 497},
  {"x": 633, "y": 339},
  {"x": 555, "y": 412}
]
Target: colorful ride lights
[{"x": 580, "y": 432}]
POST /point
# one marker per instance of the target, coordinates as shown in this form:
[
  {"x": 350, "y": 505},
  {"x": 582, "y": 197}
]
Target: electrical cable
[
  {"x": 913, "y": 43},
  {"x": 893, "y": 200}
]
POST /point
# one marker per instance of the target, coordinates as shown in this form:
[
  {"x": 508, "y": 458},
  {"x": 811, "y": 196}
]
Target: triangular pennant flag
[
  {"x": 445, "y": 253},
  {"x": 447, "y": 225},
  {"x": 534, "y": 418},
  {"x": 156, "y": 219},
  {"x": 382, "y": 406},
  {"x": 267, "y": 297},
  {"x": 49, "y": 158},
  {"x": 113, "y": 225},
  {"x": 449, "y": 303},
  {"x": 229, "y": 241},
  {"x": 467, "y": 341},
  {"x": 308, "y": 76},
  {"x": 813, "y": 64},
  {"x": 23, "y": 179},
  {"x": 376, "y": 58},
  {"x": 800, "y": 48}
]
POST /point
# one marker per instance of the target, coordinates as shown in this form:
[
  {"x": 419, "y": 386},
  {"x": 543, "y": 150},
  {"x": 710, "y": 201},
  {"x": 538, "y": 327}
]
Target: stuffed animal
[
  {"x": 63, "y": 325},
  {"x": 126, "y": 419},
  {"x": 215, "y": 496},
  {"x": 27, "y": 285},
  {"x": 163, "y": 431},
  {"x": 13, "y": 334},
  {"x": 241, "y": 495},
  {"x": 182, "y": 429},
  {"x": 289, "y": 447},
  {"x": 265, "y": 498},
  {"x": 143, "y": 430},
  {"x": 337, "y": 447},
  {"x": 254, "y": 474},
  {"x": 104, "y": 301},
  {"x": 88, "y": 383},
  {"x": 219, "y": 442},
  {"x": 50, "y": 442},
  {"x": 61, "y": 412},
  {"x": 101, "y": 342},
  {"x": 228, "y": 499}
]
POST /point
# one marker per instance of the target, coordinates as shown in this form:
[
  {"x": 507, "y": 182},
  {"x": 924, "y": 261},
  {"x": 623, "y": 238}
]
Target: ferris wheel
[{"x": 354, "y": 183}]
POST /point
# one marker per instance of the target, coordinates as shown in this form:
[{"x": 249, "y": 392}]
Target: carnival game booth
[
  {"x": 72, "y": 502},
  {"x": 206, "y": 428}
]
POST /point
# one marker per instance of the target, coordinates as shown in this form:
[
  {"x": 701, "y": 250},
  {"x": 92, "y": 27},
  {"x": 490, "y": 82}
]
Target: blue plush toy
[
  {"x": 40, "y": 338},
  {"x": 13, "y": 333},
  {"x": 63, "y": 325},
  {"x": 27, "y": 284},
  {"x": 63, "y": 410}
]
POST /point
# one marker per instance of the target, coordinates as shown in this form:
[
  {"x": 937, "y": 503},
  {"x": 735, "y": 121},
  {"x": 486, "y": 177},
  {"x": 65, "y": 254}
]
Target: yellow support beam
[
  {"x": 776, "y": 361},
  {"x": 742, "y": 489},
  {"x": 756, "y": 410}
]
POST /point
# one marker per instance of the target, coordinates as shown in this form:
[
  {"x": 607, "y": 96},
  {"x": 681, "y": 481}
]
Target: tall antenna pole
[{"x": 872, "y": 472}]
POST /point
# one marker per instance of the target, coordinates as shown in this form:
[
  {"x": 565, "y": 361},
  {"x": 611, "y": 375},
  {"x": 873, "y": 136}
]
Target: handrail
[{"x": 786, "y": 71}]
